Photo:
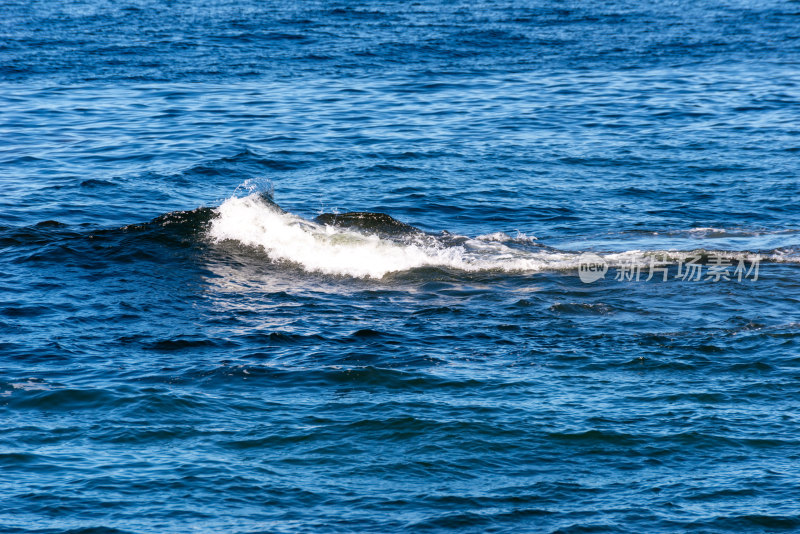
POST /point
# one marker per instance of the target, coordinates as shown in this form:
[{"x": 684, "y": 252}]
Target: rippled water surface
[{"x": 295, "y": 267}]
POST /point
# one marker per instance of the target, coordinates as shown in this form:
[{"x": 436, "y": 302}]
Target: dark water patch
[
  {"x": 187, "y": 344},
  {"x": 64, "y": 399},
  {"x": 441, "y": 310},
  {"x": 367, "y": 333},
  {"x": 94, "y": 183},
  {"x": 17, "y": 459},
  {"x": 367, "y": 222},
  {"x": 25, "y": 311},
  {"x": 746, "y": 522},
  {"x": 280, "y": 338}
]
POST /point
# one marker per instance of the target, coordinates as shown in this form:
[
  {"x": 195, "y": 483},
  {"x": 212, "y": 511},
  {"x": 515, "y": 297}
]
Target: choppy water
[{"x": 197, "y": 333}]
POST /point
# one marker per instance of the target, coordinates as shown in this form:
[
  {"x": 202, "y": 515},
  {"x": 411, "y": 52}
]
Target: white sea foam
[
  {"x": 257, "y": 223},
  {"x": 332, "y": 250},
  {"x": 502, "y": 237},
  {"x": 718, "y": 233}
]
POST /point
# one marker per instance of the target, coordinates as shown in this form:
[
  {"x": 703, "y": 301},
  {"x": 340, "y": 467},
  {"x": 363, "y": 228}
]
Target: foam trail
[{"x": 256, "y": 222}]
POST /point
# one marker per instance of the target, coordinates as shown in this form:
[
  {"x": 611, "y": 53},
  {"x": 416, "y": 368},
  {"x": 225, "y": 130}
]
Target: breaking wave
[{"x": 362, "y": 244}]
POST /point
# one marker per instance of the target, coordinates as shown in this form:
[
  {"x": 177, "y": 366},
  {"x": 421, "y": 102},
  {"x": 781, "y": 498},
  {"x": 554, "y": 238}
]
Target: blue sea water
[{"x": 315, "y": 266}]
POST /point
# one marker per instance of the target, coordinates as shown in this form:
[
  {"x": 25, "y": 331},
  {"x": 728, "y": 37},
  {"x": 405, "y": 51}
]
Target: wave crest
[
  {"x": 372, "y": 245},
  {"x": 357, "y": 249}
]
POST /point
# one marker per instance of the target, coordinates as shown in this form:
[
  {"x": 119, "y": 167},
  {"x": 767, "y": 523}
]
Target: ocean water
[{"x": 327, "y": 266}]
